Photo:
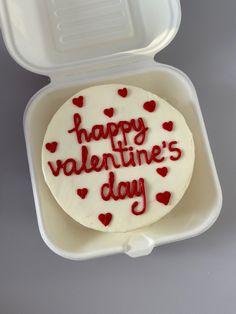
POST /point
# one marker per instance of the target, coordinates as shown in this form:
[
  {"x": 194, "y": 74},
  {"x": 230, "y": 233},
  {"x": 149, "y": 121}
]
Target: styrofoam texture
[
  {"x": 196, "y": 212},
  {"x": 54, "y": 36},
  {"x": 50, "y": 37}
]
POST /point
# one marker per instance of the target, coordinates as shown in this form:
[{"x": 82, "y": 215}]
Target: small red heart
[
  {"x": 168, "y": 126},
  {"x": 163, "y": 198},
  {"x": 162, "y": 171},
  {"x": 109, "y": 112},
  {"x": 79, "y": 101},
  {"x": 150, "y": 105},
  {"x": 82, "y": 192},
  {"x": 51, "y": 147},
  {"x": 105, "y": 218},
  {"x": 123, "y": 92}
]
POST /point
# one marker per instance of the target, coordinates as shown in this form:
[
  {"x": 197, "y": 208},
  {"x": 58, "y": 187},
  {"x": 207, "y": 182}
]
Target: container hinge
[{"x": 102, "y": 70}]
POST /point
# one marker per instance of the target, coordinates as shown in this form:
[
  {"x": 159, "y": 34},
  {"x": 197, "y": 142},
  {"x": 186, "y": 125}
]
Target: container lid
[{"x": 49, "y": 36}]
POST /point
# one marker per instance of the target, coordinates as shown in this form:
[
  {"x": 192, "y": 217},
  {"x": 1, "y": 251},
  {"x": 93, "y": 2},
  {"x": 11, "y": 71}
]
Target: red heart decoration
[
  {"x": 162, "y": 171},
  {"x": 150, "y": 105},
  {"x": 168, "y": 126},
  {"x": 51, "y": 147},
  {"x": 164, "y": 197},
  {"x": 123, "y": 92},
  {"x": 109, "y": 112},
  {"x": 79, "y": 101},
  {"x": 105, "y": 218},
  {"x": 82, "y": 192}
]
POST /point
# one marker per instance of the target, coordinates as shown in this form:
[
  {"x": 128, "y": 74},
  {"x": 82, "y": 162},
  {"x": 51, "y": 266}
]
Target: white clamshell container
[{"x": 80, "y": 43}]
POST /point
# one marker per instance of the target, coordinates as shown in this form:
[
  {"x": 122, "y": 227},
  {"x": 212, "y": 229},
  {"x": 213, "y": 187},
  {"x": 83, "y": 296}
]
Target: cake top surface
[{"x": 117, "y": 157}]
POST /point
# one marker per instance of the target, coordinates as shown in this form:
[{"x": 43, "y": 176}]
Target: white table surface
[{"x": 196, "y": 276}]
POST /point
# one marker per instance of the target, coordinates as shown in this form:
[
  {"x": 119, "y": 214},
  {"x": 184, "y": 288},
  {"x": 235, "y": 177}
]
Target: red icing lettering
[
  {"x": 105, "y": 161},
  {"x": 95, "y": 163},
  {"x": 123, "y": 157},
  {"x": 156, "y": 151},
  {"x": 135, "y": 188},
  {"x": 141, "y": 129},
  {"x": 69, "y": 167},
  {"x": 122, "y": 151},
  {"x": 110, "y": 130},
  {"x": 123, "y": 136},
  {"x": 174, "y": 149},
  {"x": 147, "y": 159},
  {"x": 79, "y": 132},
  {"x": 59, "y": 166},
  {"x": 143, "y": 193}
]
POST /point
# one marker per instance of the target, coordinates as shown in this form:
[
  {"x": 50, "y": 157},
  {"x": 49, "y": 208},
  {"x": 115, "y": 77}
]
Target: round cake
[{"x": 117, "y": 157}]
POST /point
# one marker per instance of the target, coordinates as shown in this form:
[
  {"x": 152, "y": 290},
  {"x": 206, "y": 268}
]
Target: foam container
[{"x": 80, "y": 43}]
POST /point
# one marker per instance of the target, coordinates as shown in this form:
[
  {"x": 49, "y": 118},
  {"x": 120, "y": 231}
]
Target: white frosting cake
[{"x": 117, "y": 158}]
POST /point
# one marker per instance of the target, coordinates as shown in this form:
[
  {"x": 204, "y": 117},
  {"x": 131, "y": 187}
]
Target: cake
[{"x": 117, "y": 158}]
